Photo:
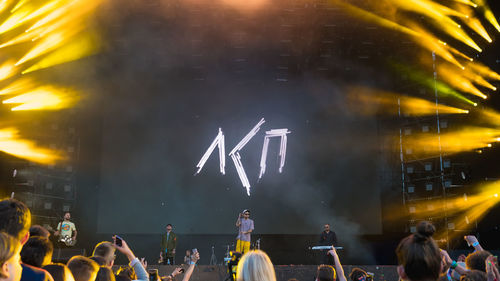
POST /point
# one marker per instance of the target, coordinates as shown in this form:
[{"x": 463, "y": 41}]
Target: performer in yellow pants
[
  {"x": 242, "y": 246},
  {"x": 245, "y": 227}
]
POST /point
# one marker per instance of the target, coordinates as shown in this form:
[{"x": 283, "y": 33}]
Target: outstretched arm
[
  {"x": 135, "y": 263},
  {"x": 472, "y": 241},
  {"x": 194, "y": 259},
  {"x": 338, "y": 265},
  {"x": 447, "y": 262}
]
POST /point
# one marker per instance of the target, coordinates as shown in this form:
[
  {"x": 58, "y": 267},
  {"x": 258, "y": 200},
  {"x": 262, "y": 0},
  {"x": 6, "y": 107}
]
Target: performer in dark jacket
[
  {"x": 168, "y": 245},
  {"x": 327, "y": 238}
]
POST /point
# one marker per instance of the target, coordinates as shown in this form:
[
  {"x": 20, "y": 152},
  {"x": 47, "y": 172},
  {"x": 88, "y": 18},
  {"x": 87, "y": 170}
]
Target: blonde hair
[
  {"x": 8, "y": 247},
  {"x": 255, "y": 266}
]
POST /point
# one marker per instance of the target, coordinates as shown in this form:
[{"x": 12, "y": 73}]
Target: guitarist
[{"x": 66, "y": 231}]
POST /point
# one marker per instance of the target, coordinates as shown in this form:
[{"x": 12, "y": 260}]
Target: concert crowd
[{"x": 26, "y": 255}]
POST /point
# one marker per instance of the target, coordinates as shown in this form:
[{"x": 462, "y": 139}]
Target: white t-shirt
[{"x": 66, "y": 229}]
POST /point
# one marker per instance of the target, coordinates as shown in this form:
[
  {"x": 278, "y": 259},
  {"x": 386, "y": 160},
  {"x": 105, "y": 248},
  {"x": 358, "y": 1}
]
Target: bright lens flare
[
  {"x": 44, "y": 98},
  {"x": 11, "y": 143}
]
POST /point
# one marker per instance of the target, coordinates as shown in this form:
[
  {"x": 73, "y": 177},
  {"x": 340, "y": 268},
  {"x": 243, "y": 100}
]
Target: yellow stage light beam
[
  {"x": 369, "y": 101},
  {"x": 488, "y": 14},
  {"x": 459, "y": 34},
  {"x": 478, "y": 79},
  {"x": 11, "y": 143},
  {"x": 39, "y": 32},
  {"x": 468, "y": 208},
  {"x": 67, "y": 13},
  {"x": 467, "y": 2},
  {"x": 451, "y": 75},
  {"x": 467, "y": 139},
  {"x": 12, "y": 21},
  {"x": 4, "y": 4},
  {"x": 369, "y": 16},
  {"x": 473, "y": 204},
  {"x": 428, "y": 81},
  {"x": 7, "y": 70},
  {"x": 473, "y": 22},
  {"x": 483, "y": 70},
  {"x": 48, "y": 44},
  {"x": 22, "y": 16},
  {"x": 476, "y": 25},
  {"x": 429, "y": 8},
  {"x": 437, "y": 13},
  {"x": 68, "y": 25},
  {"x": 19, "y": 4},
  {"x": 56, "y": 14},
  {"x": 457, "y": 52},
  {"x": 429, "y": 42},
  {"x": 483, "y": 202},
  {"x": 20, "y": 85},
  {"x": 23, "y": 37},
  {"x": 489, "y": 116},
  {"x": 43, "y": 98},
  {"x": 79, "y": 47}
]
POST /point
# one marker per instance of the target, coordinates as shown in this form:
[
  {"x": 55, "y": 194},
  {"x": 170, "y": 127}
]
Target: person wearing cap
[{"x": 245, "y": 227}]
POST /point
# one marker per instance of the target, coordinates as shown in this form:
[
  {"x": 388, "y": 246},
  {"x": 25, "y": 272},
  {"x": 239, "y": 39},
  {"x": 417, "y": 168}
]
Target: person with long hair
[
  {"x": 255, "y": 266},
  {"x": 419, "y": 257}
]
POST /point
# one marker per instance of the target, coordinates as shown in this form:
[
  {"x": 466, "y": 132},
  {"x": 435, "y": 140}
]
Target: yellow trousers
[{"x": 242, "y": 246}]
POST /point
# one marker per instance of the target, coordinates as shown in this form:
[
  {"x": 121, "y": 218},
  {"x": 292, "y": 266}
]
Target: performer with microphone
[
  {"x": 245, "y": 227},
  {"x": 327, "y": 238}
]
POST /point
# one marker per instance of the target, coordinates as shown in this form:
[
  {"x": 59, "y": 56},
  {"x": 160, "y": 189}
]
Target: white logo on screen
[{"x": 236, "y": 156}]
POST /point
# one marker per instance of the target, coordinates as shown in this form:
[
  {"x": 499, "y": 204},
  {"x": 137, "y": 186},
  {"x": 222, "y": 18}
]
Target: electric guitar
[{"x": 67, "y": 240}]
